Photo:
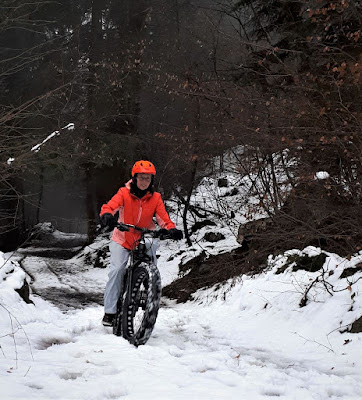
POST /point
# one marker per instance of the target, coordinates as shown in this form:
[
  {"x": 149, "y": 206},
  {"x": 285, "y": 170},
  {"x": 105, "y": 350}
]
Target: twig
[
  {"x": 303, "y": 301},
  {"x": 196, "y": 208},
  {"x": 325, "y": 283},
  {"x": 2, "y": 350},
  {"x": 15, "y": 346},
  {"x": 11, "y": 316},
  {"x": 314, "y": 341}
]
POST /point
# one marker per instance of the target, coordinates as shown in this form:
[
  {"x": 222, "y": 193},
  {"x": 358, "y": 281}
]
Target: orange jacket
[{"x": 135, "y": 211}]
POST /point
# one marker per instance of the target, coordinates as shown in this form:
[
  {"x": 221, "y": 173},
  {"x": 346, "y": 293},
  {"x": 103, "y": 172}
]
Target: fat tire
[
  {"x": 147, "y": 275},
  {"x": 117, "y": 322}
]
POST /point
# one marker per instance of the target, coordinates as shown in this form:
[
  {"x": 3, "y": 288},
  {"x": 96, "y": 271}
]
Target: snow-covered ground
[{"x": 250, "y": 340}]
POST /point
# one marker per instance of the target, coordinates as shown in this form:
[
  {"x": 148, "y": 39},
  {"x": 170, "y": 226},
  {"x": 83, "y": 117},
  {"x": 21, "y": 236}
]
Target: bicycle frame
[{"x": 139, "y": 253}]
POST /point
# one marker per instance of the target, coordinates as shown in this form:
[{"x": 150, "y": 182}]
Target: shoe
[{"x": 108, "y": 319}]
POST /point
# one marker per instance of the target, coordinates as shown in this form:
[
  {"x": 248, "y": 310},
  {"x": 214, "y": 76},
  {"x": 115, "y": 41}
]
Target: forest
[
  {"x": 251, "y": 112},
  {"x": 179, "y": 82}
]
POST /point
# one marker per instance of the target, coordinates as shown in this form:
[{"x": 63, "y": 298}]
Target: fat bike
[{"x": 139, "y": 301}]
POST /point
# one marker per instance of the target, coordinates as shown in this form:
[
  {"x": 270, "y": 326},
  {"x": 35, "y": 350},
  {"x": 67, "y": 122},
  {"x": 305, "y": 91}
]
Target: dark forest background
[{"x": 179, "y": 82}]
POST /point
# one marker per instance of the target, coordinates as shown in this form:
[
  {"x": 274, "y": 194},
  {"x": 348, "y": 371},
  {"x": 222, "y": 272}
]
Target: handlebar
[{"x": 160, "y": 233}]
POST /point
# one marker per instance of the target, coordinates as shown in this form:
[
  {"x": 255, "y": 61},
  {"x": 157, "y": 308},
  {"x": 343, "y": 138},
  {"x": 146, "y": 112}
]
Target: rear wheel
[{"x": 141, "y": 304}]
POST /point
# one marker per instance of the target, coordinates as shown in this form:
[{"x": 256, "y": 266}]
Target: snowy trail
[
  {"x": 207, "y": 349},
  {"x": 63, "y": 283},
  {"x": 186, "y": 358}
]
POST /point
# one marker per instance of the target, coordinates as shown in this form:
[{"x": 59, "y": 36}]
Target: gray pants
[{"x": 117, "y": 269}]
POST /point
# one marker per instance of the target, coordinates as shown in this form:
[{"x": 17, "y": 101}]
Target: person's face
[{"x": 143, "y": 181}]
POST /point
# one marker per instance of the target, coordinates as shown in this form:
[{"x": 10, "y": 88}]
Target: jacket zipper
[{"x": 139, "y": 211}]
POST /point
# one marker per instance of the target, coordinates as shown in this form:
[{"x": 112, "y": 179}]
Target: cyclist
[{"x": 137, "y": 203}]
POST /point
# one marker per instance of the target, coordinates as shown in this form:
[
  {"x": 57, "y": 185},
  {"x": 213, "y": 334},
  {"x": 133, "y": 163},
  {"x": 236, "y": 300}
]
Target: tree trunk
[
  {"x": 193, "y": 171},
  {"x": 41, "y": 190},
  {"x": 94, "y": 57}
]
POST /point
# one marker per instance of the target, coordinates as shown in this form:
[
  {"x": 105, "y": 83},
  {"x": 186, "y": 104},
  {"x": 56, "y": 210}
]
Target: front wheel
[{"x": 141, "y": 304}]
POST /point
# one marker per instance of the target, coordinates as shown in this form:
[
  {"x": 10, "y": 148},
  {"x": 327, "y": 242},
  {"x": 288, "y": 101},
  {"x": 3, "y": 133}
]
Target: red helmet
[{"x": 143, "y": 167}]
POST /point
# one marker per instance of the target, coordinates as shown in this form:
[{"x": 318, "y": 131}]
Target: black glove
[
  {"x": 107, "y": 220},
  {"x": 175, "y": 234}
]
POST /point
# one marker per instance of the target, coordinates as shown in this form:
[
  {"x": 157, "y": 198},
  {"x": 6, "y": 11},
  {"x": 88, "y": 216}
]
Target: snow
[
  {"x": 249, "y": 339},
  {"x": 246, "y": 339},
  {"x": 38, "y": 146},
  {"x": 322, "y": 175}
]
